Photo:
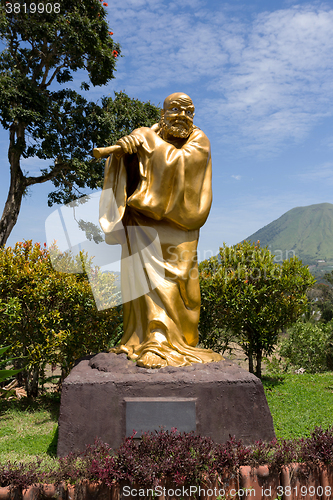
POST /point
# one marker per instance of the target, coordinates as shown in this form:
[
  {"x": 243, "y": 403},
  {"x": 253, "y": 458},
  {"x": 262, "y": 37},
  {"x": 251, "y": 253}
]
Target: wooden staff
[{"x": 104, "y": 152}]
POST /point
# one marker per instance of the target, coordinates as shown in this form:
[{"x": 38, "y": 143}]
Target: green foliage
[
  {"x": 309, "y": 346},
  {"x": 49, "y": 316},
  {"x": 321, "y": 299},
  {"x": 43, "y": 51},
  {"x": 320, "y": 307},
  {"x": 43, "y": 47},
  {"x": 329, "y": 278},
  {"x": 244, "y": 291},
  {"x": 6, "y": 374},
  {"x": 275, "y": 367},
  {"x": 76, "y": 126},
  {"x": 218, "y": 339}
]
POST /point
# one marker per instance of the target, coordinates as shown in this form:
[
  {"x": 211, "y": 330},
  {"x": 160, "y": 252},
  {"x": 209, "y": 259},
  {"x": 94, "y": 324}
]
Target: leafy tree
[
  {"x": 245, "y": 292},
  {"x": 325, "y": 301},
  {"x": 43, "y": 50},
  {"x": 320, "y": 298},
  {"x": 81, "y": 125},
  {"x": 309, "y": 346},
  {"x": 48, "y": 316}
]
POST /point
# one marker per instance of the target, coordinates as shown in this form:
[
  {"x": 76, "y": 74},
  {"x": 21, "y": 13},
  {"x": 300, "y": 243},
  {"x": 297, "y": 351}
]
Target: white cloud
[
  {"x": 281, "y": 82},
  {"x": 328, "y": 142},
  {"x": 321, "y": 173},
  {"x": 237, "y": 177},
  {"x": 265, "y": 81}
]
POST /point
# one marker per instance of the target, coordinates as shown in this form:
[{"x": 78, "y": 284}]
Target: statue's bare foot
[{"x": 151, "y": 360}]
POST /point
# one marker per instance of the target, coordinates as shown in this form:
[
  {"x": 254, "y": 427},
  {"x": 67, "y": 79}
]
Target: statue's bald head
[
  {"x": 177, "y": 116},
  {"x": 177, "y": 97}
]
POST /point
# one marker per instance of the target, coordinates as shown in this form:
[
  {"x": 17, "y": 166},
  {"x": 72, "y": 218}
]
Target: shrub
[
  {"x": 308, "y": 346},
  {"x": 245, "y": 292},
  {"x": 21, "y": 475},
  {"x": 6, "y": 374},
  {"x": 318, "y": 447},
  {"x": 284, "y": 452},
  {"x": 183, "y": 458},
  {"x": 48, "y": 316}
]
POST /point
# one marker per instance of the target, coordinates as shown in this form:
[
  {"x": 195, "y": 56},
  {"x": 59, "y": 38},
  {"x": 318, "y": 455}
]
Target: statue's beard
[{"x": 181, "y": 128}]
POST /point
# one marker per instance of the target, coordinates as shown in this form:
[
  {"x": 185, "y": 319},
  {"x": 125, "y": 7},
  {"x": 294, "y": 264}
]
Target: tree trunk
[
  {"x": 32, "y": 382},
  {"x": 17, "y": 183},
  {"x": 250, "y": 356},
  {"x": 259, "y": 359}
]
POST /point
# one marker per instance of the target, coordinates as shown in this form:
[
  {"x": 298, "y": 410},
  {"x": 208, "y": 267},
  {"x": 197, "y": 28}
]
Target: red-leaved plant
[{"x": 183, "y": 458}]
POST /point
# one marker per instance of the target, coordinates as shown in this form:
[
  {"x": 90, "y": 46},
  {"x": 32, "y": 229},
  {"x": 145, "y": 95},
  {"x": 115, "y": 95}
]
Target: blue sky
[{"x": 260, "y": 74}]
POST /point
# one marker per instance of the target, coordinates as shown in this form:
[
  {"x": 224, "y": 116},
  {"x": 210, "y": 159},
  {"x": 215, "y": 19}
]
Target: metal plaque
[{"x": 150, "y": 414}]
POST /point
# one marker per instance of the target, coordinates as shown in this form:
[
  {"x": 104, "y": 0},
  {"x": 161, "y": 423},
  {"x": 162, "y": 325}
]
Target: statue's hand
[{"x": 130, "y": 143}]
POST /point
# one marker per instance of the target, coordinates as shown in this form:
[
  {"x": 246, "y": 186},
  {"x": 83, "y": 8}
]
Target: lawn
[
  {"x": 298, "y": 404},
  {"x": 29, "y": 428}
]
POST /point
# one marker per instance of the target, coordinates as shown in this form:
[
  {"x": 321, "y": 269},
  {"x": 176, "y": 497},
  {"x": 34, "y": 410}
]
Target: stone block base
[{"x": 109, "y": 396}]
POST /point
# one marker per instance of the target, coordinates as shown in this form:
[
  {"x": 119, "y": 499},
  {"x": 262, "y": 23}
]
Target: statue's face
[{"x": 178, "y": 118}]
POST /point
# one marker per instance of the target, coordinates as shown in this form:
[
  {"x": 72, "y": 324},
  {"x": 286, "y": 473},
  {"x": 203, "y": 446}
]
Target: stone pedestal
[{"x": 109, "y": 396}]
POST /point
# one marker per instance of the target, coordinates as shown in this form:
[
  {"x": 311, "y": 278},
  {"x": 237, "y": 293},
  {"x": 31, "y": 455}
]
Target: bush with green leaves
[
  {"x": 320, "y": 298},
  {"x": 245, "y": 292},
  {"x": 49, "y": 316},
  {"x": 6, "y": 374},
  {"x": 309, "y": 346}
]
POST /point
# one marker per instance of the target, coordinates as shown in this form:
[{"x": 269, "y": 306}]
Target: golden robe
[{"x": 163, "y": 194}]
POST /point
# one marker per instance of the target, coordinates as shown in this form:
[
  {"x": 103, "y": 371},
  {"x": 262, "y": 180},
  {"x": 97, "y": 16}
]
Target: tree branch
[
  {"x": 13, "y": 47},
  {"x": 55, "y": 118},
  {"x": 42, "y": 56},
  {"x": 54, "y": 74},
  {"x": 59, "y": 167}
]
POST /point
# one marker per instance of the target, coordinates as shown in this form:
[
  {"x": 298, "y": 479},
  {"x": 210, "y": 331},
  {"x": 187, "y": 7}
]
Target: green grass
[
  {"x": 29, "y": 428},
  {"x": 299, "y": 403}
]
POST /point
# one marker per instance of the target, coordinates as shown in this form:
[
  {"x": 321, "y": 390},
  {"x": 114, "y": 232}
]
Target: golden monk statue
[{"x": 160, "y": 178}]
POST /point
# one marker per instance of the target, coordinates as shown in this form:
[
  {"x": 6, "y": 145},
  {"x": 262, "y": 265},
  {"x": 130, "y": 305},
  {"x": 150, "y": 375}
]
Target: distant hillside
[{"x": 307, "y": 231}]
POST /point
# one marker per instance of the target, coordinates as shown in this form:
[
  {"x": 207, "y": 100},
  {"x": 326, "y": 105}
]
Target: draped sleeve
[
  {"x": 112, "y": 204},
  {"x": 175, "y": 182}
]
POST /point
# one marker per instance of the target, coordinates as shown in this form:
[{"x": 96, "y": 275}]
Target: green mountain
[{"x": 306, "y": 232}]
